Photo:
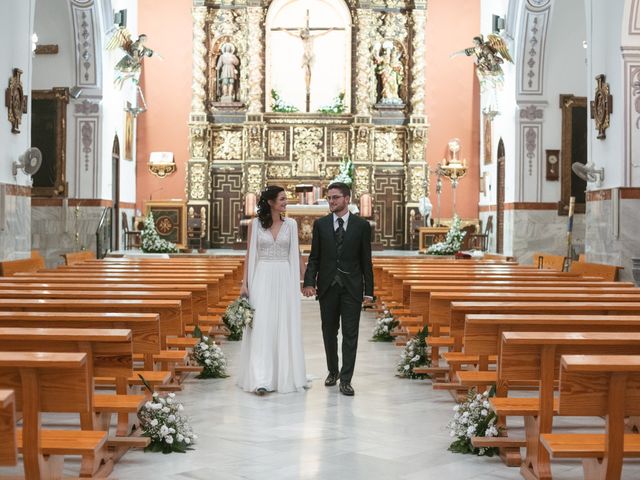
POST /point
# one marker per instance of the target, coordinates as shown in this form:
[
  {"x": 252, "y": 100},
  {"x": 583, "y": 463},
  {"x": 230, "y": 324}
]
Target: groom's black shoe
[
  {"x": 347, "y": 389},
  {"x": 331, "y": 380}
]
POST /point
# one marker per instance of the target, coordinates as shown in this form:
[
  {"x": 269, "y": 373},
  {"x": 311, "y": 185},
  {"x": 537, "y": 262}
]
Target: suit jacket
[{"x": 354, "y": 265}]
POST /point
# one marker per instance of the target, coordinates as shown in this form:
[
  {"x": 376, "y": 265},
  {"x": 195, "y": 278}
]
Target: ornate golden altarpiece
[{"x": 238, "y": 146}]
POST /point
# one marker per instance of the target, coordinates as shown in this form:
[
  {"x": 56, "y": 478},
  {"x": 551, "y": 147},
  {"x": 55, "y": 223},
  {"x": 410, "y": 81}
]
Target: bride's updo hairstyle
[{"x": 264, "y": 209}]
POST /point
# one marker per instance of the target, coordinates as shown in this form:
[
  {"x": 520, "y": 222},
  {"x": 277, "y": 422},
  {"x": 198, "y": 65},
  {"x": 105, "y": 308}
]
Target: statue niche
[{"x": 224, "y": 77}]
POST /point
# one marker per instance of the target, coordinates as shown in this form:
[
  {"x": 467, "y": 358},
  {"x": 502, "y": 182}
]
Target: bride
[{"x": 271, "y": 355}]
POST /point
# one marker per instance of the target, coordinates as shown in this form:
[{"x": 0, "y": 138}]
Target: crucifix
[{"x": 306, "y": 36}]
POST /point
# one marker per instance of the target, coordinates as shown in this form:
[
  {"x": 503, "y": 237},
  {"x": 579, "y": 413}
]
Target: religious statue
[
  {"x": 489, "y": 56},
  {"x": 390, "y": 72},
  {"x": 227, "y": 72},
  {"x": 307, "y": 37}
]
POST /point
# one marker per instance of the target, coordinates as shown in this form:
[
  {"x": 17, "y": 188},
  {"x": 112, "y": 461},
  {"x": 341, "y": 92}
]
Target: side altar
[{"x": 284, "y": 91}]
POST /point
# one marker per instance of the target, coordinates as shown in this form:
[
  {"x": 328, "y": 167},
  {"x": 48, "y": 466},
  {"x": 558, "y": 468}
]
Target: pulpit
[{"x": 427, "y": 236}]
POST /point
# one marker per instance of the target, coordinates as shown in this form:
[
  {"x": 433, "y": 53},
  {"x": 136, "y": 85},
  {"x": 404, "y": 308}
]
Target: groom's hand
[{"x": 308, "y": 291}]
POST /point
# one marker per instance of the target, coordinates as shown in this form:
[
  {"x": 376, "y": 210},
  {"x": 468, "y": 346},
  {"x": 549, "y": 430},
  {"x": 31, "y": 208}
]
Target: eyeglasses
[{"x": 334, "y": 197}]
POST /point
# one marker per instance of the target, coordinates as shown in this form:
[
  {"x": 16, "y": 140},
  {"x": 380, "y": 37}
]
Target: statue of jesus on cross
[{"x": 307, "y": 37}]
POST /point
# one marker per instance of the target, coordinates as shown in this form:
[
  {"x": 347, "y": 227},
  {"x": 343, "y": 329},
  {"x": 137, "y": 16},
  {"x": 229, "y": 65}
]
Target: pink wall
[
  {"x": 166, "y": 84},
  {"x": 452, "y": 99},
  {"x": 452, "y": 96}
]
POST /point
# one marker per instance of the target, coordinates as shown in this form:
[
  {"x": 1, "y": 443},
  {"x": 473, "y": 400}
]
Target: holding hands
[{"x": 308, "y": 291}]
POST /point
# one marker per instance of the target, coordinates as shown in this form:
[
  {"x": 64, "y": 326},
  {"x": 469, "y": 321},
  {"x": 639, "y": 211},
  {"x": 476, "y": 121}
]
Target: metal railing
[{"x": 104, "y": 234}]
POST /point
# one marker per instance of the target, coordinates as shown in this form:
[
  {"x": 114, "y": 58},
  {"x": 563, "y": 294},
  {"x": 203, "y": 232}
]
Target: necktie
[{"x": 340, "y": 236}]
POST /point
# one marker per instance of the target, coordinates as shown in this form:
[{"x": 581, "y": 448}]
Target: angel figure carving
[
  {"x": 489, "y": 55},
  {"x": 130, "y": 65}
]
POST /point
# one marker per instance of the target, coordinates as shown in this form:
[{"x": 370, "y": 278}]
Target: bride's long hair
[{"x": 264, "y": 209}]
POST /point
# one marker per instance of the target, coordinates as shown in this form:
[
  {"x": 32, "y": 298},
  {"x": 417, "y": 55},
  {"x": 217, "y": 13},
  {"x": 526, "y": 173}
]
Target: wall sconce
[{"x": 161, "y": 164}]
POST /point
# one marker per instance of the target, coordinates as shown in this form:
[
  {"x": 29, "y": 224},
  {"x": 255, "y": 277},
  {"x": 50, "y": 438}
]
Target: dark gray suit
[{"x": 341, "y": 278}]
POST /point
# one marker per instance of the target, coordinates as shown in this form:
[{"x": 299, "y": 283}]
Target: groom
[{"x": 340, "y": 273}]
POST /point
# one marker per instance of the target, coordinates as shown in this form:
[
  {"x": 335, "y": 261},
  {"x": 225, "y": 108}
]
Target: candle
[
  {"x": 250, "y": 204},
  {"x": 365, "y": 205}
]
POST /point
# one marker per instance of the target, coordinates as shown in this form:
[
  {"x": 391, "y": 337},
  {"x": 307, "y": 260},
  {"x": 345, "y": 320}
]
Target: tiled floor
[{"x": 391, "y": 429}]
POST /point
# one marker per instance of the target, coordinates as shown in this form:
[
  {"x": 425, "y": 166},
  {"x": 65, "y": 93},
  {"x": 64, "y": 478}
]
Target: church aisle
[{"x": 391, "y": 429}]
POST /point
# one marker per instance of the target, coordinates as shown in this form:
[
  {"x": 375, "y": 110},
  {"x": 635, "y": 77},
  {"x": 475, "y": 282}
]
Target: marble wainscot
[
  {"x": 531, "y": 227},
  {"x": 613, "y": 228},
  {"x": 59, "y": 227},
  {"x": 15, "y": 230}
]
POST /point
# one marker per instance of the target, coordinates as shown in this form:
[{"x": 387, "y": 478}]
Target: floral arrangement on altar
[
  {"x": 209, "y": 356},
  {"x": 336, "y": 107},
  {"x": 280, "y": 106},
  {"x": 347, "y": 172},
  {"x": 452, "y": 242},
  {"x": 415, "y": 354},
  {"x": 473, "y": 418},
  {"x": 239, "y": 314},
  {"x": 385, "y": 323},
  {"x": 161, "y": 420},
  {"x": 151, "y": 241}
]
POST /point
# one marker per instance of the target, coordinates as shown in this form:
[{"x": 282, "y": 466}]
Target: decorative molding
[
  {"x": 87, "y": 130},
  {"x": 602, "y": 106},
  {"x": 629, "y": 193},
  {"x": 16, "y": 190},
  {"x": 87, "y": 107},
  {"x": 531, "y": 133},
  {"x": 199, "y": 55},
  {"x": 418, "y": 21},
  {"x": 15, "y": 100},
  {"x": 46, "y": 49},
  {"x": 631, "y": 116},
  {"x": 255, "y": 17},
  {"x": 634, "y": 18},
  {"x": 531, "y": 113},
  {"x": 536, "y": 20},
  {"x": 84, "y": 17},
  {"x": 77, "y": 202},
  {"x": 365, "y": 78}
]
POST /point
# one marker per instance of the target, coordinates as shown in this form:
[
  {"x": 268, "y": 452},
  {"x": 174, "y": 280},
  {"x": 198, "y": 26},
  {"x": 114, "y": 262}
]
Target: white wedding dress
[{"x": 272, "y": 355}]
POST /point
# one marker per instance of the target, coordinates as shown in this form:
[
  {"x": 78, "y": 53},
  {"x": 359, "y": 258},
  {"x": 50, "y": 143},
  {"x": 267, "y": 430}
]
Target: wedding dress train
[{"x": 272, "y": 354}]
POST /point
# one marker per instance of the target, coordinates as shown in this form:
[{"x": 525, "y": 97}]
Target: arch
[{"x": 320, "y": 68}]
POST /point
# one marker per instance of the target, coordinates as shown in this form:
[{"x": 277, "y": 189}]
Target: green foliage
[
  {"x": 452, "y": 242},
  {"x": 336, "y": 108},
  {"x": 415, "y": 354},
  {"x": 385, "y": 323},
  {"x": 209, "y": 356},
  {"x": 279, "y": 105},
  {"x": 473, "y": 418},
  {"x": 151, "y": 241}
]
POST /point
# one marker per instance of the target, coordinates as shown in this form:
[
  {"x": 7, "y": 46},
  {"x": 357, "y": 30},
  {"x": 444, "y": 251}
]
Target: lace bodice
[{"x": 270, "y": 250}]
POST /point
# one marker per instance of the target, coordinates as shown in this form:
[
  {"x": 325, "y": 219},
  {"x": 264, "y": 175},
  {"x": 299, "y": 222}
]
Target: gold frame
[
  {"x": 61, "y": 96},
  {"x": 128, "y": 136},
  {"x": 568, "y": 103},
  {"x": 171, "y": 204}
]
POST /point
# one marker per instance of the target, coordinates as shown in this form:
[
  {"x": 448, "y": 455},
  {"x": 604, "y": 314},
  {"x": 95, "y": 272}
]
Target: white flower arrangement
[
  {"x": 151, "y": 241},
  {"x": 238, "y": 315},
  {"x": 336, "y": 107},
  {"x": 415, "y": 354},
  {"x": 346, "y": 173},
  {"x": 162, "y": 420},
  {"x": 452, "y": 242},
  {"x": 385, "y": 323},
  {"x": 209, "y": 356},
  {"x": 473, "y": 418},
  {"x": 279, "y": 105}
]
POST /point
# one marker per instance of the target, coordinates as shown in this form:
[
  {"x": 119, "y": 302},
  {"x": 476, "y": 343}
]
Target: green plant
[
  {"x": 415, "y": 354},
  {"x": 279, "y": 105},
  {"x": 335, "y": 108},
  {"x": 151, "y": 241}
]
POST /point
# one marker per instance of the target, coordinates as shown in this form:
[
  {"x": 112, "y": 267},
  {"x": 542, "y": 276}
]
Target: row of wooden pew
[
  {"x": 532, "y": 333},
  {"x": 76, "y": 339}
]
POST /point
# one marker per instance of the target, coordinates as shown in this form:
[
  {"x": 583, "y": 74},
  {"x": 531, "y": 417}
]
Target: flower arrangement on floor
[
  {"x": 473, "y": 418},
  {"x": 415, "y": 354},
  {"x": 336, "y": 107},
  {"x": 161, "y": 420},
  {"x": 347, "y": 172},
  {"x": 151, "y": 241},
  {"x": 209, "y": 356},
  {"x": 452, "y": 242},
  {"x": 385, "y": 323},
  {"x": 279, "y": 105},
  {"x": 239, "y": 314}
]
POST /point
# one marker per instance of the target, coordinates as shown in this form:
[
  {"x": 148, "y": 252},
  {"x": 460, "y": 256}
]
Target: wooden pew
[
  {"x": 607, "y": 272},
  {"x": 11, "y": 267},
  {"x": 548, "y": 261},
  {"x": 198, "y": 291},
  {"x": 483, "y": 336},
  {"x": 598, "y": 385},
  {"x": 53, "y": 382},
  {"x": 8, "y": 445},
  {"x": 111, "y": 354},
  {"x": 71, "y": 258},
  {"x": 535, "y": 357}
]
